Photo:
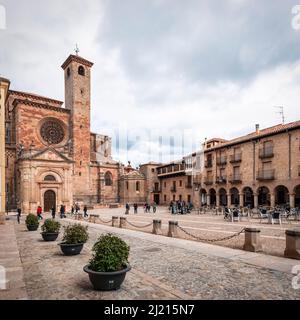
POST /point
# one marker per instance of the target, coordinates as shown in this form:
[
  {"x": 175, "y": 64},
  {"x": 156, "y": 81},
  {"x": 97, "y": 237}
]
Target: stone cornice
[
  {"x": 40, "y": 105},
  {"x": 77, "y": 59},
  {"x": 34, "y": 97}
]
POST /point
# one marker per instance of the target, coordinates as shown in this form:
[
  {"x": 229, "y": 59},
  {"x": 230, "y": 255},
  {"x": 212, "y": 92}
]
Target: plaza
[{"x": 163, "y": 268}]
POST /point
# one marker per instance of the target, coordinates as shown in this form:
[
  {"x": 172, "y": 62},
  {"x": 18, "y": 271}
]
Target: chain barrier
[
  {"x": 212, "y": 240},
  {"x": 103, "y": 221},
  {"x": 139, "y": 227}
]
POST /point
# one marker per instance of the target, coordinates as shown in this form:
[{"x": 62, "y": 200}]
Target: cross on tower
[{"x": 77, "y": 50}]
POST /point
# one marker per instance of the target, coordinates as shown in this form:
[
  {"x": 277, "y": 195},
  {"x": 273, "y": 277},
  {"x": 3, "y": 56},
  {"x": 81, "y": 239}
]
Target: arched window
[
  {"x": 137, "y": 186},
  {"x": 49, "y": 178},
  {"x": 108, "y": 179},
  {"x": 81, "y": 71}
]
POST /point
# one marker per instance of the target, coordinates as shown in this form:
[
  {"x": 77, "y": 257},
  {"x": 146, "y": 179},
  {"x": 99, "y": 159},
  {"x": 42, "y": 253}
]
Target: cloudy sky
[{"x": 168, "y": 73}]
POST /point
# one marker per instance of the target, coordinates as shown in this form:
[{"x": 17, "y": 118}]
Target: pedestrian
[
  {"x": 19, "y": 213},
  {"x": 77, "y": 208},
  {"x": 53, "y": 212},
  {"x": 127, "y": 209},
  {"x": 148, "y": 208},
  {"x": 72, "y": 210},
  {"x": 85, "y": 210},
  {"x": 39, "y": 213},
  {"x": 135, "y": 208},
  {"x": 62, "y": 211}
]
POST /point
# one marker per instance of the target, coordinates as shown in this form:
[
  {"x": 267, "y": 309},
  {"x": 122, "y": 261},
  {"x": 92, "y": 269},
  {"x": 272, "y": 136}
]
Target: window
[
  {"x": 137, "y": 186},
  {"x": 49, "y": 178},
  {"x": 127, "y": 185},
  {"x": 165, "y": 184},
  {"x": 68, "y": 72},
  {"x": 108, "y": 179},
  {"x": 165, "y": 198},
  {"x": 79, "y": 174},
  {"x": 81, "y": 71},
  {"x": 153, "y": 170},
  {"x": 180, "y": 183}
]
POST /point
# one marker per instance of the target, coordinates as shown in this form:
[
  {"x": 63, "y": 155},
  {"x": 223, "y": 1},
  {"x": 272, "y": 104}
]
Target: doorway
[{"x": 49, "y": 200}]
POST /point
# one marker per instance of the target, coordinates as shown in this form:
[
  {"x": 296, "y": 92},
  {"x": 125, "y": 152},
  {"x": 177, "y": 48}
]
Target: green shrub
[
  {"x": 75, "y": 234},
  {"x": 51, "y": 226},
  {"x": 32, "y": 220},
  {"x": 110, "y": 254}
]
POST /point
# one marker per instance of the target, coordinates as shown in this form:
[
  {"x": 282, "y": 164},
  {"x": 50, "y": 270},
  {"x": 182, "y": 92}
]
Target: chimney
[{"x": 257, "y": 128}]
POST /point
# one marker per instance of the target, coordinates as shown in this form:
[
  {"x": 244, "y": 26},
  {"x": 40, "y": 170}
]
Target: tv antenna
[{"x": 281, "y": 112}]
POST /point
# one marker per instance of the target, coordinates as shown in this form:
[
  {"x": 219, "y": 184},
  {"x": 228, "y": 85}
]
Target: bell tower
[{"x": 77, "y": 72}]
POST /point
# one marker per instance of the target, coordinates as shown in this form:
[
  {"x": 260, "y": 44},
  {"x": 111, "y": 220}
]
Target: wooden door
[{"x": 49, "y": 200}]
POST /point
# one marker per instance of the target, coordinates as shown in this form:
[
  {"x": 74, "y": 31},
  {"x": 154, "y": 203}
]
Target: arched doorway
[
  {"x": 264, "y": 196},
  {"x": 281, "y": 195},
  {"x": 235, "y": 198},
  {"x": 49, "y": 200},
  {"x": 203, "y": 197},
  {"x": 223, "y": 197},
  {"x": 213, "y": 197},
  {"x": 248, "y": 197},
  {"x": 297, "y": 196}
]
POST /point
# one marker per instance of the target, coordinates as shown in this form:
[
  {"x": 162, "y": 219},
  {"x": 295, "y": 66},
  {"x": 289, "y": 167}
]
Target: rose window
[{"x": 52, "y": 132}]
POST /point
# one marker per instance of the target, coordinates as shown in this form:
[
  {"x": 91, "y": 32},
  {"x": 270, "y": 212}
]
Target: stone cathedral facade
[{"x": 53, "y": 158}]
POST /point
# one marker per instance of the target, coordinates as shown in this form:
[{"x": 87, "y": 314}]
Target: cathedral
[{"x": 52, "y": 157}]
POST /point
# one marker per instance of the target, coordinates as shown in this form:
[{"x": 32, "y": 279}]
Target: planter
[
  {"x": 107, "y": 281},
  {"x": 71, "y": 249},
  {"x": 32, "y": 227},
  {"x": 49, "y": 236}
]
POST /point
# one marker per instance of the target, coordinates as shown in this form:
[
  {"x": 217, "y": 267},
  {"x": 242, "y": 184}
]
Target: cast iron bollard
[
  {"x": 292, "y": 244},
  {"x": 115, "y": 222},
  {"x": 157, "y": 227},
  {"x": 122, "y": 223},
  {"x": 252, "y": 240},
  {"x": 173, "y": 230}
]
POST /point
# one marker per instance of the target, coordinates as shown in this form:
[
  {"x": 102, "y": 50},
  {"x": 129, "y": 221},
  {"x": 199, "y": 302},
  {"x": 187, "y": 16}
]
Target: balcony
[
  {"x": 208, "y": 181},
  {"x": 208, "y": 164},
  {"x": 221, "y": 161},
  {"x": 266, "y": 153},
  {"x": 265, "y": 175},
  {"x": 221, "y": 180},
  {"x": 173, "y": 189},
  {"x": 235, "y": 158},
  {"x": 235, "y": 178},
  {"x": 157, "y": 190},
  {"x": 189, "y": 186}
]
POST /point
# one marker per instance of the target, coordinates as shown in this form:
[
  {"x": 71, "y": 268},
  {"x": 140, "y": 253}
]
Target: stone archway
[
  {"x": 264, "y": 196},
  {"x": 248, "y": 197},
  {"x": 235, "y": 197},
  {"x": 297, "y": 196},
  {"x": 213, "y": 197},
  {"x": 223, "y": 197},
  {"x": 281, "y": 195},
  {"x": 49, "y": 200}
]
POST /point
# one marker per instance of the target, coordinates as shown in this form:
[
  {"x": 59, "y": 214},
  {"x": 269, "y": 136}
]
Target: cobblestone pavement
[
  {"x": 163, "y": 268},
  {"x": 210, "y": 226}
]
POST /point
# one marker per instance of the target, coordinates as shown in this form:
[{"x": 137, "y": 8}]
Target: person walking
[
  {"x": 19, "y": 213},
  {"x": 127, "y": 209},
  {"x": 72, "y": 210},
  {"x": 62, "y": 211},
  {"x": 53, "y": 213},
  {"x": 77, "y": 208},
  {"x": 154, "y": 207},
  {"x": 85, "y": 210},
  {"x": 135, "y": 208},
  {"x": 39, "y": 213}
]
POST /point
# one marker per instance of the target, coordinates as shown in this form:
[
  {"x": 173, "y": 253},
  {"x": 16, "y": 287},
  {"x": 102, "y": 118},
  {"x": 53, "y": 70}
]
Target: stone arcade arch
[
  {"x": 235, "y": 198},
  {"x": 264, "y": 197},
  {"x": 223, "y": 197},
  {"x": 248, "y": 197},
  {"x": 281, "y": 195},
  {"x": 213, "y": 197},
  {"x": 297, "y": 196}
]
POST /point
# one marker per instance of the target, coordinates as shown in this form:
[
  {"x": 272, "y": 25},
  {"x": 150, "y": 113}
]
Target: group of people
[
  {"x": 76, "y": 209},
  {"x": 180, "y": 207},
  {"x": 147, "y": 208}
]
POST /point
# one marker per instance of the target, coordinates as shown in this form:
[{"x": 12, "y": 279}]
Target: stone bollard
[
  {"x": 115, "y": 222},
  {"x": 157, "y": 227},
  {"x": 252, "y": 240},
  {"x": 292, "y": 244},
  {"x": 173, "y": 229},
  {"x": 123, "y": 223}
]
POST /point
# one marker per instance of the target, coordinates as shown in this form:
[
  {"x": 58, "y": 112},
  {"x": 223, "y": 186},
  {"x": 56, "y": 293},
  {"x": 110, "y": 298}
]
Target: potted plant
[
  {"x": 108, "y": 267},
  {"x": 32, "y": 222},
  {"x": 75, "y": 236},
  {"x": 50, "y": 230}
]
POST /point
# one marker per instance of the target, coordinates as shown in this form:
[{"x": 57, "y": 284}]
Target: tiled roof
[
  {"x": 262, "y": 133},
  {"x": 35, "y": 97},
  {"x": 78, "y": 59}
]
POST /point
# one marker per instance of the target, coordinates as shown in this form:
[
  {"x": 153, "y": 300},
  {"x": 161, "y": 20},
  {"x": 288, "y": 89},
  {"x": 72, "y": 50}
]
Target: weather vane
[
  {"x": 77, "y": 50},
  {"x": 281, "y": 112}
]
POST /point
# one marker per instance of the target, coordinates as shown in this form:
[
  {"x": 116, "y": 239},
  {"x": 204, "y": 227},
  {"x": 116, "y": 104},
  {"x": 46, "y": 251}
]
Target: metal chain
[
  {"x": 212, "y": 240},
  {"x": 110, "y": 221},
  {"x": 140, "y": 227}
]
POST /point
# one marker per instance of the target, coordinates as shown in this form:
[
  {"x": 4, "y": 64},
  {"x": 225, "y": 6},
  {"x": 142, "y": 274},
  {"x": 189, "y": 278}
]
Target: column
[
  {"x": 255, "y": 200},
  {"x": 217, "y": 200},
  {"x": 228, "y": 200},
  {"x": 292, "y": 200},
  {"x": 241, "y": 199},
  {"x": 272, "y": 200},
  {"x": 208, "y": 199}
]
